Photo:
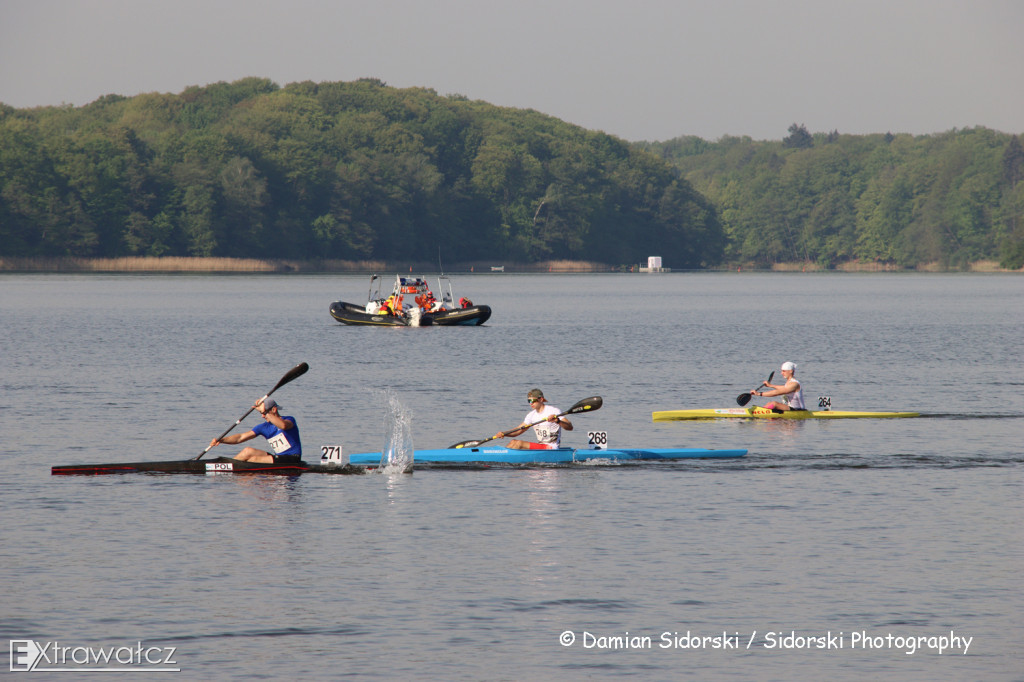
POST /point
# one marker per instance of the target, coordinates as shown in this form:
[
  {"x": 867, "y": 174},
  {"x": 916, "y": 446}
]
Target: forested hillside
[
  {"x": 352, "y": 170},
  {"x": 359, "y": 171},
  {"x": 947, "y": 199}
]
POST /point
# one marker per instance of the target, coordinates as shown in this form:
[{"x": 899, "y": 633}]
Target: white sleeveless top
[{"x": 795, "y": 400}]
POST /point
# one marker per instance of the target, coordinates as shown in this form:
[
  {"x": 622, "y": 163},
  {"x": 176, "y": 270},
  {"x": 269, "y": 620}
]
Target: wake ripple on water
[
  {"x": 838, "y": 461},
  {"x": 831, "y": 461},
  {"x": 343, "y": 631}
]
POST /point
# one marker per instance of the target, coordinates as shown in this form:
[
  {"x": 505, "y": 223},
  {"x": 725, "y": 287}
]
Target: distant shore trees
[
  {"x": 352, "y": 170},
  {"x": 949, "y": 199}
]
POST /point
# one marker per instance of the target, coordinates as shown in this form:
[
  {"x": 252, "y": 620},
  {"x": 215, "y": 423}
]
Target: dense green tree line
[
  {"x": 949, "y": 198},
  {"x": 336, "y": 170}
]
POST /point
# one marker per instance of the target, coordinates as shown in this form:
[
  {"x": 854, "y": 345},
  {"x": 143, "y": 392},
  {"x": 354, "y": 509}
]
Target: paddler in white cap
[{"x": 792, "y": 394}]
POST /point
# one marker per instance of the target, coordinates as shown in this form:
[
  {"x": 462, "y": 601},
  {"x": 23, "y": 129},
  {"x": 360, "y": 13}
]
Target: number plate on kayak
[{"x": 333, "y": 455}]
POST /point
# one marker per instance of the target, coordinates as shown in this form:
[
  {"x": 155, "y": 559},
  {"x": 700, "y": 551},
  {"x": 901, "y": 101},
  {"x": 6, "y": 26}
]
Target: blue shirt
[{"x": 284, "y": 442}]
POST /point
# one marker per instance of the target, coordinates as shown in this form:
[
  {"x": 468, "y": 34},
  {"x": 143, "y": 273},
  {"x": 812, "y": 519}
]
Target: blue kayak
[
  {"x": 499, "y": 455},
  {"x": 358, "y": 463}
]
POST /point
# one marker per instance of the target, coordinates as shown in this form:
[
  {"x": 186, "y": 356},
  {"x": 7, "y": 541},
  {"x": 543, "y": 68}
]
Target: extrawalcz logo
[{"x": 30, "y": 656}]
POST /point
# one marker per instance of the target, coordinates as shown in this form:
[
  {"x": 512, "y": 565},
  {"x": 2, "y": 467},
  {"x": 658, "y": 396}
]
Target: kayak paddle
[
  {"x": 585, "y": 405},
  {"x": 294, "y": 373},
  {"x": 743, "y": 398}
]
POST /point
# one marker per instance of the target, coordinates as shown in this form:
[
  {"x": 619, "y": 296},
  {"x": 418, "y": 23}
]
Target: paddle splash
[{"x": 397, "y": 453}]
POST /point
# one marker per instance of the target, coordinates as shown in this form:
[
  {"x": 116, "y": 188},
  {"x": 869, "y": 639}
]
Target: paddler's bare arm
[
  {"x": 561, "y": 421},
  {"x": 512, "y": 433},
  {"x": 233, "y": 439},
  {"x": 790, "y": 387},
  {"x": 276, "y": 420}
]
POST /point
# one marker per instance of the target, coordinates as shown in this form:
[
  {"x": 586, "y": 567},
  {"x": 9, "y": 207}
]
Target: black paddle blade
[
  {"x": 293, "y": 374},
  {"x": 466, "y": 444},
  {"x": 743, "y": 398},
  {"x": 586, "y": 405}
]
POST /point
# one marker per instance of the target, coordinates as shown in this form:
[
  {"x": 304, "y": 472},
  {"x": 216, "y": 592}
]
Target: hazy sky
[{"x": 639, "y": 69}]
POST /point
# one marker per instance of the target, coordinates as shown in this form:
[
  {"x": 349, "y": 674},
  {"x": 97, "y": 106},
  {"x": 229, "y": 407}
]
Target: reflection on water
[{"x": 262, "y": 489}]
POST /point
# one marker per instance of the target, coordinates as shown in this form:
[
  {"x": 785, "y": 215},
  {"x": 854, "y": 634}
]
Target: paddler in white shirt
[
  {"x": 545, "y": 422},
  {"x": 791, "y": 392}
]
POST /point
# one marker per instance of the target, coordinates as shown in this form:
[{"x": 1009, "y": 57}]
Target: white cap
[{"x": 788, "y": 366}]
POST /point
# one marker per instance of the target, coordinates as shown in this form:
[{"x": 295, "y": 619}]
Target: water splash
[{"x": 397, "y": 453}]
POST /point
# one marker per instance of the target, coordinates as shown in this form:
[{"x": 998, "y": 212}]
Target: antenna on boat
[
  {"x": 369, "y": 292},
  {"x": 440, "y": 284}
]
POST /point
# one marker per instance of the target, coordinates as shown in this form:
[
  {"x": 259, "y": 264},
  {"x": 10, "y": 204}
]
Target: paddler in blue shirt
[
  {"x": 281, "y": 432},
  {"x": 791, "y": 391}
]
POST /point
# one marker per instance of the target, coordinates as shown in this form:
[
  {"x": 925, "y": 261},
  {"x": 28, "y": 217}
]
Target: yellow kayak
[{"x": 764, "y": 413}]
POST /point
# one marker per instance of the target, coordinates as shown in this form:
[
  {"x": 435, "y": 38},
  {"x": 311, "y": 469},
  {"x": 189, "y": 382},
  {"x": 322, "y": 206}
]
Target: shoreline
[
  {"x": 194, "y": 265},
  {"x": 168, "y": 265}
]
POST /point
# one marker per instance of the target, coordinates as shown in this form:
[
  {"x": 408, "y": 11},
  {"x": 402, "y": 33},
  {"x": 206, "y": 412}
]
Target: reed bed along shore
[
  {"x": 146, "y": 264},
  {"x": 856, "y": 266},
  {"x": 176, "y": 264}
]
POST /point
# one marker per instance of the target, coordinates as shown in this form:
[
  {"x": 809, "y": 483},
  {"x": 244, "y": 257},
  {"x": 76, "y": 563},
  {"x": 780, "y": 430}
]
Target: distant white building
[{"x": 654, "y": 265}]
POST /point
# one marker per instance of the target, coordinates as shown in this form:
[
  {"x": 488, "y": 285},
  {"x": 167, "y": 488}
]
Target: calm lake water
[{"x": 835, "y": 550}]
